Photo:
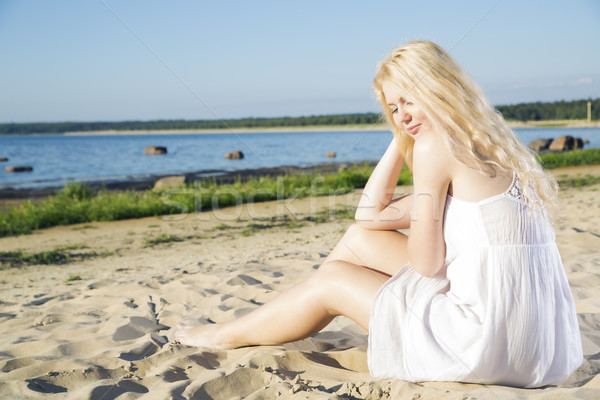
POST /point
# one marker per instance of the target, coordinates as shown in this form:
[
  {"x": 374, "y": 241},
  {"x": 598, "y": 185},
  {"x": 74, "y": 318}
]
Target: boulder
[
  {"x": 3, "y": 159},
  {"x": 155, "y": 150},
  {"x": 538, "y": 145},
  {"x": 19, "y": 168},
  {"x": 331, "y": 154},
  {"x": 578, "y": 143},
  {"x": 343, "y": 167},
  {"x": 234, "y": 155},
  {"x": 562, "y": 143},
  {"x": 169, "y": 182}
]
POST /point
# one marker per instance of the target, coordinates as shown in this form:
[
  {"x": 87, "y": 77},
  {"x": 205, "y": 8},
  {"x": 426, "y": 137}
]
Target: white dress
[{"x": 500, "y": 312}]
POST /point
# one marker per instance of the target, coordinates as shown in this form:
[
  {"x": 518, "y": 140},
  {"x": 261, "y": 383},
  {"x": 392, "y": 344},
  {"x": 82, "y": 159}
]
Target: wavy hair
[{"x": 476, "y": 132}]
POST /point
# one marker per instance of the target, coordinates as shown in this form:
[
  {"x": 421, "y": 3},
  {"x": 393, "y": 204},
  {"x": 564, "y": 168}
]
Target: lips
[{"x": 413, "y": 129}]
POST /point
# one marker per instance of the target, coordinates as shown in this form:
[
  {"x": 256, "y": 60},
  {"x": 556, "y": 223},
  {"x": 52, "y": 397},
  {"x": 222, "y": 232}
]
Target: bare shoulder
[{"x": 432, "y": 159}]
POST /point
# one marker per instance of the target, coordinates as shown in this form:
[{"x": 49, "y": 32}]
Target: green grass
[
  {"x": 222, "y": 227},
  {"x": 164, "y": 238},
  {"x": 570, "y": 158},
  {"x": 19, "y": 258},
  {"x": 286, "y": 222},
  {"x": 340, "y": 212},
  {"x": 80, "y": 228},
  {"x": 78, "y": 203},
  {"x": 578, "y": 181},
  {"x": 57, "y": 256},
  {"x": 252, "y": 228},
  {"x": 73, "y": 277},
  {"x": 293, "y": 224}
]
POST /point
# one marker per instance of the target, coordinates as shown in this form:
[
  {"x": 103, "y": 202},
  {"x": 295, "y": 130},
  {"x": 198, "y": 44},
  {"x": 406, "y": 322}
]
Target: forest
[
  {"x": 558, "y": 110},
  {"x": 538, "y": 111}
]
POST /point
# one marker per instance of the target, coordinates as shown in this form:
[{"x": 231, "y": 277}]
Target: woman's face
[{"x": 406, "y": 115}]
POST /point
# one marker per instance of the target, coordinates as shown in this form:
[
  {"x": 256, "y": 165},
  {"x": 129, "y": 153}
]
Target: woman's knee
[
  {"x": 326, "y": 271},
  {"x": 355, "y": 235},
  {"x": 355, "y": 231},
  {"x": 332, "y": 274},
  {"x": 328, "y": 274},
  {"x": 346, "y": 289}
]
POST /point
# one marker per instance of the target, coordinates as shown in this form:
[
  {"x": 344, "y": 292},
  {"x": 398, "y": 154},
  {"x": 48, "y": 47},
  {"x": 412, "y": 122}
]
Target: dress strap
[{"x": 515, "y": 190}]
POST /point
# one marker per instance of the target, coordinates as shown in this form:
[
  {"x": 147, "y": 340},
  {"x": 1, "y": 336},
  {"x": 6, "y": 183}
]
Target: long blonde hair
[{"x": 476, "y": 132}]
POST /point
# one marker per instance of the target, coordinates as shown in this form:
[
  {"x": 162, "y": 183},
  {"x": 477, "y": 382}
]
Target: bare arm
[
  {"x": 376, "y": 209},
  {"x": 432, "y": 166}
]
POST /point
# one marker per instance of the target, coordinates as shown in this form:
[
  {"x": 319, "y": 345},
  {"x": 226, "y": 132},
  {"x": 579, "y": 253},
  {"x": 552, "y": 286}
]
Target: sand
[{"x": 106, "y": 335}]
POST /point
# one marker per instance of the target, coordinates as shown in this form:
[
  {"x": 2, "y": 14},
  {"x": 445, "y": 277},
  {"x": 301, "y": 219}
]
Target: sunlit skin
[
  {"x": 372, "y": 249},
  {"x": 405, "y": 113}
]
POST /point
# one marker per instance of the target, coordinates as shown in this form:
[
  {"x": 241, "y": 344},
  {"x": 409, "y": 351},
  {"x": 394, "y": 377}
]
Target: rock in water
[
  {"x": 169, "y": 182},
  {"x": 343, "y": 167},
  {"x": 331, "y": 154},
  {"x": 234, "y": 155},
  {"x": 563, "y": 143},
  {"x": 3, "y": 159},
  {"x": 19, "y": 168},
  {"x": 538, "y": 145},
  {"x": 155, "y": 150}
]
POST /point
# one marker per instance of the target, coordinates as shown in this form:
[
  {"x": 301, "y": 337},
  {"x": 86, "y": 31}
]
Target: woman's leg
[
  {"x": 383, "y": 251},
  {"x": 336, "y": 288},
  {"x": 341, "y": 286}
]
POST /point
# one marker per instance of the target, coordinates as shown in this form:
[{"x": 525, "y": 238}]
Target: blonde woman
[{"x": 476, "y": 292}]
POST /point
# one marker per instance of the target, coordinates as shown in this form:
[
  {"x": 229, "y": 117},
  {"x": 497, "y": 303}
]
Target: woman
[{"x": 477, "y": 291}]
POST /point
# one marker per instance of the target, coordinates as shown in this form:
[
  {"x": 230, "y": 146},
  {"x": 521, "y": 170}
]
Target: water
[{"x": 56, "y": 159}]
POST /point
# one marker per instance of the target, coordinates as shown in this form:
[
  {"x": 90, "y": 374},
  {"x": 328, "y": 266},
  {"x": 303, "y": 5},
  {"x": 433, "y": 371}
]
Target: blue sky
[{"x": 109, "y": 60}]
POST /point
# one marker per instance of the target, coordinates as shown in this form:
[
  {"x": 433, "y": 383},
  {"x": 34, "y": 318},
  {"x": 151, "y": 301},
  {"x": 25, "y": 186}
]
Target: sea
[{"x": 60, "y": 159}]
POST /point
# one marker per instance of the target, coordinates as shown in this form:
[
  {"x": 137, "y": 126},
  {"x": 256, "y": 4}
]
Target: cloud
[
  {"x": 550, "y": 84},
  {"x": 584, "y": 81},
  {"x": 523, "y": 86}
]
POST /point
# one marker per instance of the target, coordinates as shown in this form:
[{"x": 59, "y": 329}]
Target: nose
[{"x": 403, "y": 117}]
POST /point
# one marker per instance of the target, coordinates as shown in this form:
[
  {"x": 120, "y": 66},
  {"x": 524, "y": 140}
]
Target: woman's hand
[{"x": 376, "y": 209}]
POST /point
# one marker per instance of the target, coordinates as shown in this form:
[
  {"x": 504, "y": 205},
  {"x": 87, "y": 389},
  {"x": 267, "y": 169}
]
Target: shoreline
[
  {"x": 16, "y": 196},
  {"x": 242, "y": 131},
  {"x": 11, "y": 197},
  {"x": 573, "y": 123},
  {"x": 549, "y": 124}
]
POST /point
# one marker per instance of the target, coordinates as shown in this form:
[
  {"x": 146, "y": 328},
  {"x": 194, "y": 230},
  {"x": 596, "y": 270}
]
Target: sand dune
[{"x": 106, "y": 336}]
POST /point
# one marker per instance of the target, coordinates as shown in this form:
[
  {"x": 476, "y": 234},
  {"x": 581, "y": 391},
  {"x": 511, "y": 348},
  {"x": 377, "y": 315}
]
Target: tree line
[
  {"x": 62, "y": 127},
  {"x": 558, "y": 110},
  {"x": 538, "y": 111}
]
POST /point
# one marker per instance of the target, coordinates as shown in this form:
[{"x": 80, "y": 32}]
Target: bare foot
[{"x": 201, "y": 336}]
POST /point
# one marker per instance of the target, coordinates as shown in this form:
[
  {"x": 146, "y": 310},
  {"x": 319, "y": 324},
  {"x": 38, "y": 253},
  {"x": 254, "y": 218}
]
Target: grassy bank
[
  {"x": 570, "y": 158},
  {"x": 78, "y": 203}
]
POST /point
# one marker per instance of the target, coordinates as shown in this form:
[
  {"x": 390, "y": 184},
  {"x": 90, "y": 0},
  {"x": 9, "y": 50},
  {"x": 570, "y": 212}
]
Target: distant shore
[
  {"x": 559, "y": 123},
  {"x": 317, "y": 128},
  {"x": 276, "y": 129}
]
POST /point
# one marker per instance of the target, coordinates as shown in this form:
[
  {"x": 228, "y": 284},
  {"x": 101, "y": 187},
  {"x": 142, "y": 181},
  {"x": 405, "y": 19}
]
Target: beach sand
[{"x": 106, "y": 335}]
